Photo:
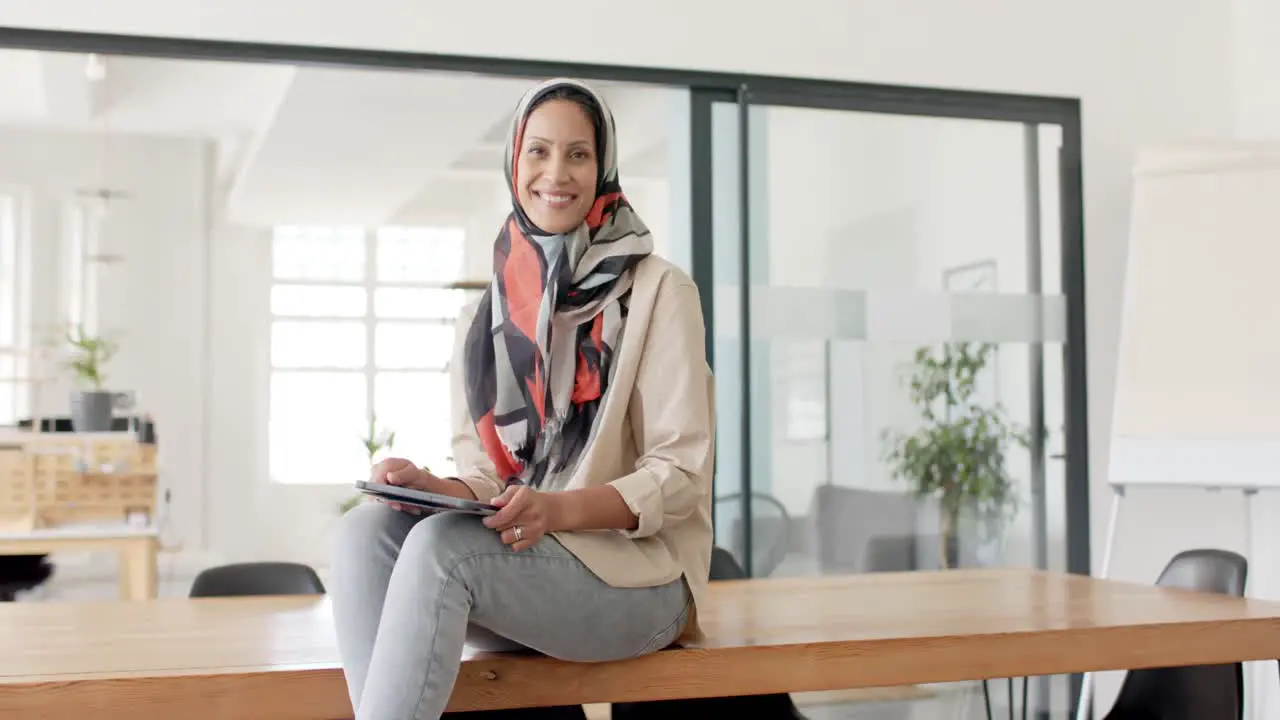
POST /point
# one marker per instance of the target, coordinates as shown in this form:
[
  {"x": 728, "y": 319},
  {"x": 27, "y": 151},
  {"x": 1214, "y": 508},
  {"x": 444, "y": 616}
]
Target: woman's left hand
[{"x": 525, "y": 516}]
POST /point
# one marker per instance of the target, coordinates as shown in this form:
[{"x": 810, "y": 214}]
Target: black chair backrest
[
  {"x": 724, "y": 566},
  {"x": 261, "y": 578},
  {"x": 1207, "y": 570},
  {"x": 1197, "y": 692},
  {"x": 19, "y": 573},
  {"x": 771, "y": 529}
]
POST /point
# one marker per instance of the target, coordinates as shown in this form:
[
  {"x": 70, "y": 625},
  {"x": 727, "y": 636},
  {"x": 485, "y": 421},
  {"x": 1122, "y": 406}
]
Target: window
[
  {"x": 362, "y": 324},
  {"x": 14, "y": 314}
]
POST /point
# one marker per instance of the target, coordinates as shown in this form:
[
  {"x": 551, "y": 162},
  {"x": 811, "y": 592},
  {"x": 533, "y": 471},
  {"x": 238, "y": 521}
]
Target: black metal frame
[{"x": 707, "y": 88}]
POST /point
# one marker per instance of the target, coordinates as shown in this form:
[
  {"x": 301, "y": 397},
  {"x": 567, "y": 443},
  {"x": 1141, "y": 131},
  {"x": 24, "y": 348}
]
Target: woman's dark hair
[{"x": 587, "y": 103}]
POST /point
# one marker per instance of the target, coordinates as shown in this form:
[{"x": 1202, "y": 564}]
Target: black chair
[
  {"x": 1196, "y": 692},
  {"x": 20, "y": 573},
  {"x": 724, "y": 566},
  {"x": 770, "y": 529},
  {"x": 258, "y": 578}
]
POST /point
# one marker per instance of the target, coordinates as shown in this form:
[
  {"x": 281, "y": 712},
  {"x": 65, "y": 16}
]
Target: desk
[
  {"x": 138, "y": 549},
  {"x": 275, "y": 657}
]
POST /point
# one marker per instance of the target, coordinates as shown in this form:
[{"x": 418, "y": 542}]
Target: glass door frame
[{"x": 1031, "y": 112}]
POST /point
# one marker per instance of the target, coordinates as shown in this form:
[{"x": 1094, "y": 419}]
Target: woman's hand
[
  {"x": 525, "y": 516},
  {"x": 402, "y": 472}
]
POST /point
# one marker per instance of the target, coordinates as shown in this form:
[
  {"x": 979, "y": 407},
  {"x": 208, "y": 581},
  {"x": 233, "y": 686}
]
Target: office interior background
[{"x": 280, "y": 245}]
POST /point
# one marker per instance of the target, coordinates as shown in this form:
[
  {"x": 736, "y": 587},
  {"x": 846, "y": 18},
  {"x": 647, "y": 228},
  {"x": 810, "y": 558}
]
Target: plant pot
[{"x": 92, "y": 410}]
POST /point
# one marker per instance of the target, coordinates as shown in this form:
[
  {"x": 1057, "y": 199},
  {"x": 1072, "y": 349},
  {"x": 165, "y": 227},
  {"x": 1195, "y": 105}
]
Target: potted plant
[
  {"x": 374, "y": 442},
  {"x": 91, "y": 406},
  {"x": 958, "y": 453}
]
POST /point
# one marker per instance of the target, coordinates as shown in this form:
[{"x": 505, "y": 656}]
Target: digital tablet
[{"x": 424, "y": 500}]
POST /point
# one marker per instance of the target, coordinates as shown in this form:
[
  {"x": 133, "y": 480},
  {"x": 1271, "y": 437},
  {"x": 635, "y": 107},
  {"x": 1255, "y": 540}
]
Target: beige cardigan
[{"x": 654, "y": 441}]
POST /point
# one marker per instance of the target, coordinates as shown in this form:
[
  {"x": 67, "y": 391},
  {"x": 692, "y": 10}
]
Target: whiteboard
[
  {"x": 1197, "y": 395},
  {"x": 1182, "y": 462}
]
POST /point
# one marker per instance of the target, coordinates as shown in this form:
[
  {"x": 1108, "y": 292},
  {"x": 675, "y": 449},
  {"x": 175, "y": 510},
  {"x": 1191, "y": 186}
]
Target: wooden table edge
[
  {"x": 170, "y": 673},
  {"x": 486, "y": 661},
  {"x": 500, "y": 681}
]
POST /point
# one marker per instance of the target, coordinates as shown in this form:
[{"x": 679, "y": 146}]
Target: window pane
[
  {"x": 297, "y": 344},
  {"x": 8, "y": 404},
  {"x": 318, "y": 253},
  {"x": 15, "y": 388},
  {"x": 413, "y": 345},
  {"x": 426, "y": 255},
  {"x": 416, "y": 406},
  {"x": 8, "y": 273},
  {"x": 22, "y": 395},
  {"x": 426, "y": 303},
  {"x": 317, "y": 422},
  {"x": 319, "y": 300}
]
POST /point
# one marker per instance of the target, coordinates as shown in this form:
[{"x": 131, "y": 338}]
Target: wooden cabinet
[{"x": 57, "y": 479}]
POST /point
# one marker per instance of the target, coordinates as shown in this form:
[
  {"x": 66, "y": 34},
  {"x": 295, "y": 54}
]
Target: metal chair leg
[{"x": 986, "y": 697}]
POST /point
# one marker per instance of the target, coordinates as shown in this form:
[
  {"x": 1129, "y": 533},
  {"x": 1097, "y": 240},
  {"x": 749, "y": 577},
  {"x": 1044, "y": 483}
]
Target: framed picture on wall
[{"x": 973, "y": 277}]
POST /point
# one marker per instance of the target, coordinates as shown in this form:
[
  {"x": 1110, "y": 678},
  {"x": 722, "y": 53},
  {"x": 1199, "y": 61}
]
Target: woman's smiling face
[{"x": 556, "y": 167}]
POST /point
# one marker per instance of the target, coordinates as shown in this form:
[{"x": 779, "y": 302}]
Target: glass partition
[{"x": 892, "y": 388}]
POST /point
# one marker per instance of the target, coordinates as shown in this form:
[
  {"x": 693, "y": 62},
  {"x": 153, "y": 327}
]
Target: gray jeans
[{"x": 409, "y": 591}]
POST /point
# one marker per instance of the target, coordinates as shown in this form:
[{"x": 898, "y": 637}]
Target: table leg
[
  {"x": 1084, "y": 706},
  {"x": 138, "y": 572},
  {"x": 1249, "y": 705}
]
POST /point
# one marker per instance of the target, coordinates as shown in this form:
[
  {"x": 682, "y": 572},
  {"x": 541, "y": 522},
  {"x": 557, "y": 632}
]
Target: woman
[{"x": 582, "y": 409}]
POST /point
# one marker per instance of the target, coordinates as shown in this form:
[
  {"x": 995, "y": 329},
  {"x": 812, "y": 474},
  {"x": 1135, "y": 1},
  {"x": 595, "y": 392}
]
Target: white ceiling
[{"x": 362, "y": 145}]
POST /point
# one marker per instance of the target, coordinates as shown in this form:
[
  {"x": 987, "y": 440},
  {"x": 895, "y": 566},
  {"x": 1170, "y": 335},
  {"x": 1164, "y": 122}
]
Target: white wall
[
  {"x": 1256, "y": 54},
  {"x": 1145, "y": 70}
]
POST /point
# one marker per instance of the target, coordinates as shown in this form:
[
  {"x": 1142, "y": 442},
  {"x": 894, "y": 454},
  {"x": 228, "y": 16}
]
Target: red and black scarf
[{"x": 540, "y": 347}]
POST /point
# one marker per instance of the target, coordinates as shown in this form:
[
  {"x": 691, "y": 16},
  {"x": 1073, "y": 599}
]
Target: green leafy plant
[
  {"x": 374, "y": 441},
  {"x": 88, "y": 355},
  {"x": 958, "y": 453},
  {"x": 349, "y": 503}
]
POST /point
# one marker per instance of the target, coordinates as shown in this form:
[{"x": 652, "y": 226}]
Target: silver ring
[{"x": 519, "y": 533}]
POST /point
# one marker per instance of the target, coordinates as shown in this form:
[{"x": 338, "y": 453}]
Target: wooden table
[
  {"x": 137, "y": 548},
  {"x": 275, "y": 657}
]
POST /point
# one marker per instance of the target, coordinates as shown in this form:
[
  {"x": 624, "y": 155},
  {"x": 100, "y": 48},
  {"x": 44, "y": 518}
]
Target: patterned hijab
[{"x": 539, "y": 349}]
